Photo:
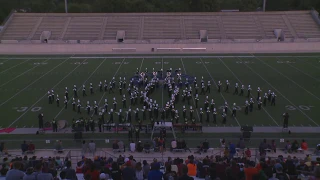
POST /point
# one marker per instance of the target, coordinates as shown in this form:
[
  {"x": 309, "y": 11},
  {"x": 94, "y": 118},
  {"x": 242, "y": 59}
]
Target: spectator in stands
[
  {"x": 24, "y": 147},
  {"x": 304, "y": 145},
  {"x": 58, "y": 146},
  {"x": 92, "y": 147},
  {"x": 121, "y": 146},
  {"x": 63, "y": 175},
  {"x": 232, "y": 150},
  {"x": 146, "y": 147},
  {"x": 248, "y": 153},
  {"x": 115, "y": 145},
  {"x": 132, "y": 146},
  {"x": 173, "y": 145},
  {"x": 79, "y": 167},
  {"x": 273, "y": 146},
  {"x": 104, "y": 176},
  {"x": 84, "y": 148},
  {"x": 128, "y": 172},
  {"x": 184, "y": 171},
  {"x": 223, "y": 143},
  {"x": 70, "y": 173},
  {"x": 155, "y": 173},
  {"x": 52, "y": 169},
  {"x": 29, "y": 175},
  {"x": 279, "y": 172},
  {"x": 59, "y": 163},
  {"x": 241, "y": 144},
  {"x": 115, "y": 171},
  {"x": 287, "y": 148},
  {"x": 262, "y": 147},
  {"x": 192, "y": 168},
  {"x": 250, "y": 170},
  {"x": 3, "y": 149},
  {"x": 139, "y": 171},
  {"x": 139, "y": 147},
  {"x": 39, "y": 174},
  {"x": 15, "y": 173},
  {"x": 93, "y": 172},
  {"x": 169, "y": 174},
  {"x": 146, "y": 169},
  {"x": 295, "y": 146},
  {"x": 184, "y": 146},
  {"x": 31, "y": 147}
]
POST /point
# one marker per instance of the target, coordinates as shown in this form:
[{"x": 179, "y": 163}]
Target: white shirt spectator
[
  {"x": 132, "y": 147},
  {"x": 174, "y": 144}
]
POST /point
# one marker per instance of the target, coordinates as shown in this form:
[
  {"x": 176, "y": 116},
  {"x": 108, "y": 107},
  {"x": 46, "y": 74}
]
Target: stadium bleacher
[{"x": 164, "y": 26}]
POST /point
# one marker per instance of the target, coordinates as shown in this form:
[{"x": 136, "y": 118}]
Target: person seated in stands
[
  {"x": 262, "y": 147},
  {"x": 58, "y": 146},
  {"x": 241, "y": 145},
  {"x": 184, "y": 146},
  {"x": 146, "y": 147},
  {"x": 205, "y": 145},
  {"x": 115, "y": 145},
  {"x": 31, "y": 147},
  {"x": 304, "y": 145},
  {"x": 79, "y": 167},
  {"x": 173, "y": 145},
  {"x": 295, "y": 146},
  {"x": 24, "y": 147},
  {"x": 121, "y": 146},
  {"x": 139, "y": 147},
  {"x": 287, "y": 147},
  {"x": 132, "y": 146},
  {"x": 247, "y": 153},
  {"x": 317, "y": 150}
]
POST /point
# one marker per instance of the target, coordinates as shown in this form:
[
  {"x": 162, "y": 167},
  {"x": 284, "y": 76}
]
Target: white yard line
[
  {"x": 22, "y": 74},
  {"x": 281, "y": 94},
  {"x": 217, "y": 86},
  {"x": 81, "y": 86},
  {"x": 44, "y": 95},
  {"x": 33, "y": 82},
  {"x": 303, "y": 72},
  {"x": 288, "y": 78},
  {"x": 251, "y": 94},
  {"x": 162, "y": 84},
  {"x": 110, "y": 80},
  {"x": 15, "y": 66},
  {"x": 141, "y": 65},
  {"x": 185, "y": 71},
  {"x": 5, "y": 60}
]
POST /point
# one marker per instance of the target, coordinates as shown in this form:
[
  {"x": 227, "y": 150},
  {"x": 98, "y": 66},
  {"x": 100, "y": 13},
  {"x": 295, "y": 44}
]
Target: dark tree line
[{"x": 119, "y": 6}]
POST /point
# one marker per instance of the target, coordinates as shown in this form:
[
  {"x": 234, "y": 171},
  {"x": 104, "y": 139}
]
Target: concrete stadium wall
[{"x": 279, "y": 47}]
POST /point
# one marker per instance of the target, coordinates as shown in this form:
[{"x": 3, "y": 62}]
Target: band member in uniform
[
  {"x": 224, "y": 117},
  {"x": 40, "y": 117},
  {"x": 201, "y": 115},
  {"x": 73, "y": 104},
  {"x": 87, "y": 125},
  {"x": 208, "y": 115},
  {"x": 196, "y": 100},
  {"x": 265, "y": 98},
  {"x": 259, "y": 103},
  {"x": 58, "y": 100},
  {"x": 249, "y": 91},
  {"x": 236, "y": 89},
  {"x": 219, "y": 86},
  {"x": 65, "y": 102},
  {"x": 208, "y": 87},
  {"x": 100, "y": 86},
  {"x": 241, "y": 90},
  {"x": 251, "y": 104},
  {"x": 273, "y": 99},
  {"x": 100, "y": 124},
  {"x": 285, "y": 120},
  {"x": 227, "y": 86},
  {"x": 258, "y": 92},
  {"x": 214, "y": 115},
  {"x": 246, "y": 110},
  {"x": 124, "y": 101},
  {"x": 91, "y": 89},
  {"x": 91, "y": 124},
  {"x": 234, "y": 110},
  {"x": 66, "y": 94},
  {"x": 75, "y": 91},
  {"x": 84, "y": 91},
  {"x": 54, "y": 126}
]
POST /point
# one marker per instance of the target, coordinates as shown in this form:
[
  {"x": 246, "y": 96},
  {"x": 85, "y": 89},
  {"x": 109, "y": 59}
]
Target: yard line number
[
  {"x": 244, "y": 62},
  {"x": 206, "y": 62},
  {"x": 23, "y": 109},
  {"x": 120, "y": 63},
  {"x": 40, "y": 63},
  {"x": 161, "y": 62},
  {"x": 285, "y": 62},
  {"x": 78, "y": 63},
  {"x": 300, "y": 107}
]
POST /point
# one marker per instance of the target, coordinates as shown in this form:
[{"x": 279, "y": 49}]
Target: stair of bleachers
[
  {"x": 19, "y": 28},
  {"x": 53, "y": 24},
  {"x": 194, "y": 24},
  {"x": 167, "y": 27},
  {"x": 83, "y": 28},
  {"x": 131, "y": 26},
  {"x": 271, "y": 22},
  {"x": 240, "y": 27},
  {"x": 304, "y": 25}
]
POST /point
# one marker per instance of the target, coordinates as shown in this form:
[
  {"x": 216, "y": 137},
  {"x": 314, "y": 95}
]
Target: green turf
[{"x": 25, "y": 85}]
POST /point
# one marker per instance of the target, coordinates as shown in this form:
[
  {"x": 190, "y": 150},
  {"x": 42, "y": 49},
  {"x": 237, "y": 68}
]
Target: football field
[{"x": 295, "y": 79}]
